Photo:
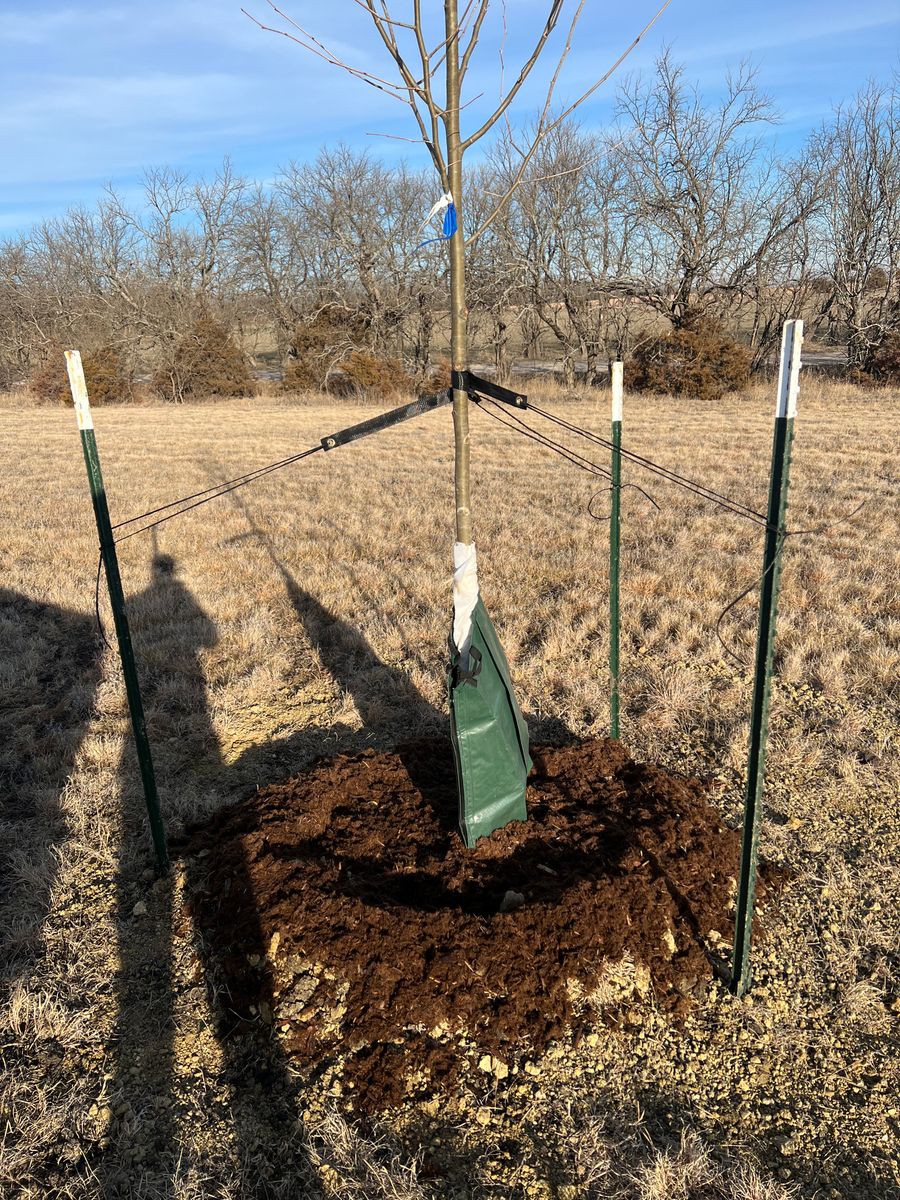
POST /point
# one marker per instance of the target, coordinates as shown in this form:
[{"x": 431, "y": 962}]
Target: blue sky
[{"x": 95, "y": 92}]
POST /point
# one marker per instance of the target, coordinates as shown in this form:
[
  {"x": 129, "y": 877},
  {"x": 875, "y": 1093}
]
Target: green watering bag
[{"x": 489, "y": 735}]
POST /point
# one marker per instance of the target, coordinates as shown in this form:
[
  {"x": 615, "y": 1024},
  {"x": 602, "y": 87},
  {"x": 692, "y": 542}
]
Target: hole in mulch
[{"x": 341, "y": 908}]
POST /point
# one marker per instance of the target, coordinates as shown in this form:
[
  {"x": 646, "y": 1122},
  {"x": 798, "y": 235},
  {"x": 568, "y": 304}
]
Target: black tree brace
[
  {"x": 394, "y": 417},
  {"x": 477, "y": 387},
  {"x": 463, "y": 380}
]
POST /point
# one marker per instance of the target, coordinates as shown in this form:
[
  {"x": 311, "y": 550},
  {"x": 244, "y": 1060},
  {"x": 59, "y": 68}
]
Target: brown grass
[{"x": 113, "y": 1082}]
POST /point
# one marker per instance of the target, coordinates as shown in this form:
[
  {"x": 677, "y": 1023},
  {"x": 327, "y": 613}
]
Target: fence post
[
  {"x": 117, "y": 600},
  {"x": 785, "y": 411},
  {"x": 614, "y": 535}
]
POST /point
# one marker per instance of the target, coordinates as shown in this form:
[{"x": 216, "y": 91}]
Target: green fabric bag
[{"x": 489, "y": 735}]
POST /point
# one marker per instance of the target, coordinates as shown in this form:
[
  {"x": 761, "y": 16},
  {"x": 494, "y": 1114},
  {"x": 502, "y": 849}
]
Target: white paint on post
[
  {"x": 79, "y": 390},
  {"x": 617, "y": 390},
  {"x": 789, "y": 369}
]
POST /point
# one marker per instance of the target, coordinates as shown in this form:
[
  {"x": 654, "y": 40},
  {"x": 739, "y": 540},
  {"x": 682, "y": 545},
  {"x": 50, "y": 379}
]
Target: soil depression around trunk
[{"x": 341, "y": 908}]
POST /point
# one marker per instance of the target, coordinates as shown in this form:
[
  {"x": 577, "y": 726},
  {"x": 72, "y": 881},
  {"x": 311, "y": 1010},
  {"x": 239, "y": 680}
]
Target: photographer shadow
[{"x": 49, "y": 674}]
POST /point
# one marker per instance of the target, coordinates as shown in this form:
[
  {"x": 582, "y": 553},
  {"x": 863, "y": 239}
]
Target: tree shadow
[
  {"x": 49, "y": 674},
  {"x": 384, "y": 697},
  {"x": 264, "y": 1097}
]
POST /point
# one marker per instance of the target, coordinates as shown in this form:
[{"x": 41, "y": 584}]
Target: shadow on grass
[
  {"x": 49, "y": 674},
  {"x": 51, "y": 664},
  {"x": 265, "y": 1099}
]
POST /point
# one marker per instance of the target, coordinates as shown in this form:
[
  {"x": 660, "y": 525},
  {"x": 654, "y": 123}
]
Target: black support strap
[
  {"x": 484, "y": 387},
  {"x": 394, "y": 417},
  {"x": 471, "y": 675}
]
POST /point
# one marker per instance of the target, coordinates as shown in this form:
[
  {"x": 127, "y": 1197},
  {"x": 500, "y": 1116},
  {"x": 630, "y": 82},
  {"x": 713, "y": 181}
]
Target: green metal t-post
[
  {"x": 117, "y": 600},
  {"x": 785, "y": 411},
  {"x": 614, "y": 528}
]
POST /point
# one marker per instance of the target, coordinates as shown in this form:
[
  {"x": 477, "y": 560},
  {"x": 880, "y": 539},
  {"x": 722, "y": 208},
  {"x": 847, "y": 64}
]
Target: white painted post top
[
  {"x": 79, "y": 390},
  {"x": 789, "y": 369},
  {"x": 616, "y": 378}
]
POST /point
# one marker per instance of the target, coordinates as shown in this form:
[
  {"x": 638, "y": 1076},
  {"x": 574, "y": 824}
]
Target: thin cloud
[{"x": 792, "y": 30}]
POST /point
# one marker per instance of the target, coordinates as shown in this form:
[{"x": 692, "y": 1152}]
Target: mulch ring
[{"x": 341, "y": 908}]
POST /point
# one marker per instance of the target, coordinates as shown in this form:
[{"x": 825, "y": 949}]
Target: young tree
[
  {"x": 416, "y": 83},
  {"x": 489, "y": 734}
]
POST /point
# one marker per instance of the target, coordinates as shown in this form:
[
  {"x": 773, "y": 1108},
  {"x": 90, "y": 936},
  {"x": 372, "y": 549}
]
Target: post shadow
[
  {"x": 49, "y": 673},
  {"x": 144, "y": 1142}
]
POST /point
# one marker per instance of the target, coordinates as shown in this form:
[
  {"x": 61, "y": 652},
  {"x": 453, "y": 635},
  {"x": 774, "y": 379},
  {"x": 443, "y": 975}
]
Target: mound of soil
[{"x": 342, "y": 908}]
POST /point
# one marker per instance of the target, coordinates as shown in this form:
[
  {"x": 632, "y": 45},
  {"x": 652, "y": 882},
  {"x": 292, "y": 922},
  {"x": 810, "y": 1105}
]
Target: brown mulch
[{"x": 341, "y": 907}]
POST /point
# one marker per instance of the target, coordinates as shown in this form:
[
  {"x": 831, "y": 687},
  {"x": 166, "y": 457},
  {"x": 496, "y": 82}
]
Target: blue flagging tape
[{"x": 449, "y": 228}]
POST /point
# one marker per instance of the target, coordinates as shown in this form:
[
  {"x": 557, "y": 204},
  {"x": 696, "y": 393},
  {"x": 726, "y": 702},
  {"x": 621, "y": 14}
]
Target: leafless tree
[
  {"x": 363, "y": 218},
  {"x": 861, "y": 227},
  {"x": 692, "y": 187},
  {"x": 779, "y": 277},
  {"x": 334, "y": 235},
  {"x": 187, "y": 232},
  {"x": 493, "y": 284},
  {"x": 274, "y": 262},
  {"x": 25, "y": 319},
  {"x": 568, "y": 235}
]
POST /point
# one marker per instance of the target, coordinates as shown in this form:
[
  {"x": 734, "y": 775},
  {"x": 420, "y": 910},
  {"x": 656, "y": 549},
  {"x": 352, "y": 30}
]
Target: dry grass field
[{"x": 307, "y": 614}]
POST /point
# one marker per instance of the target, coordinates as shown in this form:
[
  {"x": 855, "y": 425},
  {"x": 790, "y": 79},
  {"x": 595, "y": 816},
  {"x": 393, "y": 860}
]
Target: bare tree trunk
[
  {"x": 592, "y": 354},
  {"x": 424, "y": 328},
  {"x": 501, "y": 349},
  {"x": 568, "y": 366},
  {"x": 458, "y": 314}
]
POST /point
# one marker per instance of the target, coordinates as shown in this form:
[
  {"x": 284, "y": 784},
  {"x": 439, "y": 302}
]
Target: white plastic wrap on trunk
[{"x": 465, "y": 594}]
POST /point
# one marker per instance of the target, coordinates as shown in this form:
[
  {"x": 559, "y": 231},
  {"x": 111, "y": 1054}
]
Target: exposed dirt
[{"x": 342, "y": 907}]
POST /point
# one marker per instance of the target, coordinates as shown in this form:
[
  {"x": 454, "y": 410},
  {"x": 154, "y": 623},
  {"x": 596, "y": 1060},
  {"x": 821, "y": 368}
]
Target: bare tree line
[{"x": 587, "y": 242}]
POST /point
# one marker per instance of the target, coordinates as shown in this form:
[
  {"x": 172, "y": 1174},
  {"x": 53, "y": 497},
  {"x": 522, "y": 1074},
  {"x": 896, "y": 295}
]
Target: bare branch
[
  {"x": 414, "y": 90},
  {"x": 526, "y": 70},
  {"x": 483, "y": 7},
  {"x": 543, "y": 131},
  {"x": 398, "y": 137},
  {"x": 385, "y": 16},
  {"x": 314, "y": 46},
  {"x": 433, "y": 109}
]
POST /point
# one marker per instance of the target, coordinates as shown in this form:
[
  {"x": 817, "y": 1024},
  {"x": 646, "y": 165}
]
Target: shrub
[
  {"x": 316, "y": 347},
  {"x": 206, "y": 362},
  {"x": 884, "y": 361},
  {"x": 325, "y": 344},
  {"x": 302, "y": 374},
  {"x": 108, "y": 379},
  {"x": 695, "y": 360},
  {"x": 376, "y": 378},
  {"x": 438, "y": 378}
]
